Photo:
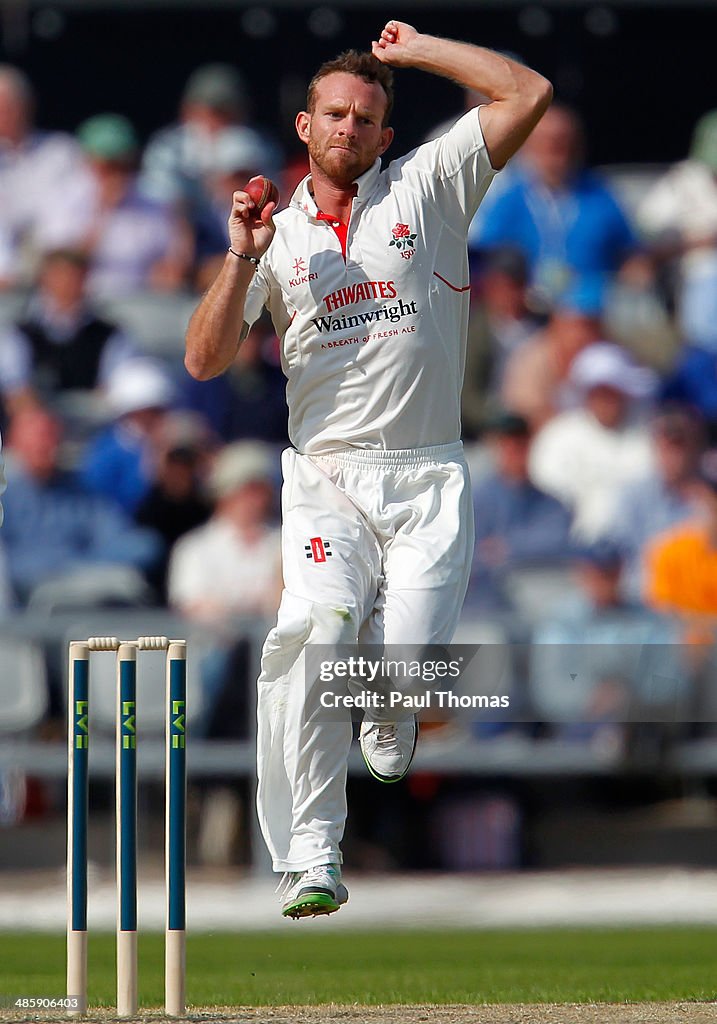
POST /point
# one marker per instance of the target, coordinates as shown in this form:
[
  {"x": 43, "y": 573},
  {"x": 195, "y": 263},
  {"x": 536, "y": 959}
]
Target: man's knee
[{"x": 301, "y": 621}]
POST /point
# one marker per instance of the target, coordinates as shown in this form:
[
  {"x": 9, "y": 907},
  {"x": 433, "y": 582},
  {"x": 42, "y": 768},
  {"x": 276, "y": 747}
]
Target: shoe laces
[
  {"x": 318, "y": 872},
  {"x": 290, "y": 878},
  {"x": 386, "y": 735},
  {"x": 286, "y": 881}
]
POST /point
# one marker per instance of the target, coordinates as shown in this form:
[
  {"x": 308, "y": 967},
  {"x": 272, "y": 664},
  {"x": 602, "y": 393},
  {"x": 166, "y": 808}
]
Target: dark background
[{"x": 639, "y": 76}]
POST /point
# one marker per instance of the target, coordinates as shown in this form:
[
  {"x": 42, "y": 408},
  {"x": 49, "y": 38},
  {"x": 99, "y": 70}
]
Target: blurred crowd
[{"x": 589, "y": 407}]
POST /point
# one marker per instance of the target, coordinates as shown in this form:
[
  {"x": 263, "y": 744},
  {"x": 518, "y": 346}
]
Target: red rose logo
[{"x": 404, "y": 241}]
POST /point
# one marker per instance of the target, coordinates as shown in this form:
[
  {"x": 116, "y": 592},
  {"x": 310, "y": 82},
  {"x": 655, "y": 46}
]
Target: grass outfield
[{"x": 305, "y": 968}]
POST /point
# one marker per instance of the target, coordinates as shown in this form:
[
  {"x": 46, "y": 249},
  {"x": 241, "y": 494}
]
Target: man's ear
[
  {"x": 303, "y": 125},
  {"x": 386, "y": 139}
]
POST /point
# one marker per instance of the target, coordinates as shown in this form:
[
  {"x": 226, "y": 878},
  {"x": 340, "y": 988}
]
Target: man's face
[
  {"x": 511, "y": 456},
  {"x": 63, "y": 281},
  {"x": 206, "y": 120},
  {"x": 607, "y": 404},
  {"x": 570, "y": 332},
  {"x": 248, "y": 505},
  {"x": 600, "y": 583},
  {"x": 553, "y": 148},
  {"x": 35, "y": 438},
  {"x": 676, "y": 457},
  {"x": 113, "y": 178},
  {"x": 344, "y": 132}
]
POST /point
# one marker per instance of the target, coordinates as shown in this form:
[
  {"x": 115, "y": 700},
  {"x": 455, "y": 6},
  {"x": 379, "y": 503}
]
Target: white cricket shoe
[
  {"x": 316, "y": 891},
  {"x": 388, "y": 747}
]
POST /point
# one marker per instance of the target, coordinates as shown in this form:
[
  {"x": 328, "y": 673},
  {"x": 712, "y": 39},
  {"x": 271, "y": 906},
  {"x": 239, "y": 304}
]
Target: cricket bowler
[{"x": 365, "y": 275}]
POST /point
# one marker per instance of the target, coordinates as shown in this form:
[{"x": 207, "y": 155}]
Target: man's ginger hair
[{"x": 363, "y": 65}]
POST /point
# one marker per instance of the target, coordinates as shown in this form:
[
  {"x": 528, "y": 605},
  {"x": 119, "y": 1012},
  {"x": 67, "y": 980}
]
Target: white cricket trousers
[{"x": 377, "y": 548}]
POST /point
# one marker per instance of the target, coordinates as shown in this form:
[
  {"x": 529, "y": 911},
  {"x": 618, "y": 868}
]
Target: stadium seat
[
  {"x": 23, "y": 686},
  {"x": 92, "y": 587}
]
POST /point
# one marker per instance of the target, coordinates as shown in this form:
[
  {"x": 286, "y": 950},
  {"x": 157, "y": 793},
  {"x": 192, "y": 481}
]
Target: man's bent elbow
[
  {"x": 547, "y": 93},
  {"x": 542, "y": 96},
  {"x": 199, "y": 368},
  {"x": 516, "y": 116}
]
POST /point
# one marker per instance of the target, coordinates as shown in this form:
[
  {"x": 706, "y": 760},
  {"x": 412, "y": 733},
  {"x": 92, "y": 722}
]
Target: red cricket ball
[{"x": 262, "y": 190}]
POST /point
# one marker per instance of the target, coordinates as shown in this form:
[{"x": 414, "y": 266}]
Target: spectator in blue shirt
[
  {"x": 563, "y": 217},
  {"x": 53, "y": 528},
  {"x": 516, "y": 523},
  {"x": 693, "y": 381},
  {"x": 120, "y": 462}
]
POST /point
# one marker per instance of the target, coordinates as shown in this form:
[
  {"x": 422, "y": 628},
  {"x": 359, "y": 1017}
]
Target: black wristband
[{"x": 243, "y": 256}]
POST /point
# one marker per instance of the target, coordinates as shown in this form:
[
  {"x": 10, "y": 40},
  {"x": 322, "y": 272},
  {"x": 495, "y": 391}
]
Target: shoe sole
[
  {"x": 392, "y": 778},
  {"x": 311, "y": 905}
]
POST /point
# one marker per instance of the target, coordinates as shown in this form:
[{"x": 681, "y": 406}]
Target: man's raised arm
[
  {"x": 214, "y": 332},
  {"x": 519, "y": 97}
]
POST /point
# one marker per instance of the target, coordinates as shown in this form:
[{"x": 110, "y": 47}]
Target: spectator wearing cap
[
  {"x": 679, "y": 216},
  {"x": 119, "y": 463},
  {"x": 34, "y": 164},
  {"x": 681, "y": 564},
  {"x": 178, "y": 157},
  {"x": 499, "y": 323},
  {"x": 565, "y": 220},
  {"x": 53, "y": 527},
  {"x": 230, "y": 568},
  {"x": 238, "y": 154},
  {"x": 517, "y": 525},
  {"x": 135, "y": 243},
  {"x": 664, "y": 497},
  {"x": 535, "y": 381},
  {"x": 60, "y": 344},
  {"x": 584, "y": 455}
]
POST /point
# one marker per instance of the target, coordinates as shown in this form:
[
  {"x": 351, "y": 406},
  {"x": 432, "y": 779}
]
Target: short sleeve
[
  {"x": 454, "y": 170},
  {"x": 257, "y": 296}
]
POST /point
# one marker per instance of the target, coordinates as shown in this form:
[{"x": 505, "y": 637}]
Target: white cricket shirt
[{"x": 373, "y": 342}]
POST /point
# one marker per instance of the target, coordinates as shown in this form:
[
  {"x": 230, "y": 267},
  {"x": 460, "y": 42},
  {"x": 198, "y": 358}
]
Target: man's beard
[{"x": 339, "y": 170}]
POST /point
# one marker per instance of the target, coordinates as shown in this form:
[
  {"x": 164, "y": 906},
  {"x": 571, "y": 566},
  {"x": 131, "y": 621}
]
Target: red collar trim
[{"x": 340, "y": 230}]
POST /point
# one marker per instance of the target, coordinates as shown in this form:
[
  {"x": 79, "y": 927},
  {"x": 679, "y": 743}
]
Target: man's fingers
[
  {"x": 388, "y": 48},
  {"x": 267, "y": 213},
  {"x": 242, "y": 205}
]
